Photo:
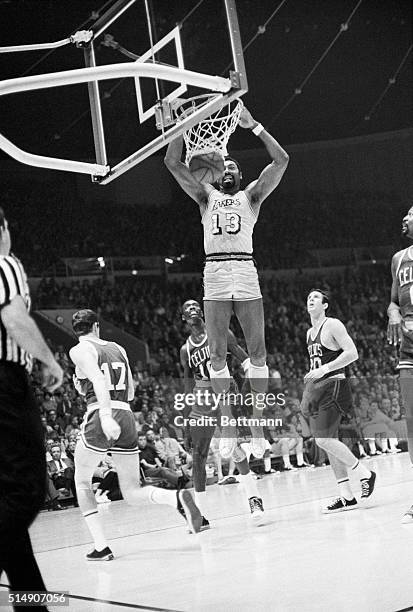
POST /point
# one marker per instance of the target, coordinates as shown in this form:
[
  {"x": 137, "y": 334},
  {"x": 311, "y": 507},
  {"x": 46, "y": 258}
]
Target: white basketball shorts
[{"x": 231, "y": 280}]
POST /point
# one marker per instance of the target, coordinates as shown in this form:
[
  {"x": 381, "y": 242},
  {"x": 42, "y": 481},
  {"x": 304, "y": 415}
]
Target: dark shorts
[
  {"x": 94, "y": 439},
  {"x": 323, "y": 405},
  {"x": 406, "y": 349},
  {"x": 406, "y": 388}
]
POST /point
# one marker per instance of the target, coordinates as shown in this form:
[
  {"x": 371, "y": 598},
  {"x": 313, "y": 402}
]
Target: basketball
[{"x": 207, "y": 167}]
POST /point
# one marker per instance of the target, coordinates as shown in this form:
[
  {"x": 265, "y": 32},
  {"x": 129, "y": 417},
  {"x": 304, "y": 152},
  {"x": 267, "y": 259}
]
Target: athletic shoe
[
  {"x": 100, "y": 555},
  {"x": 271, "y": 471},
  {"x": 257, "y": 509},
  {"x": 340, "y": 505},
  {"x": 290, "y": 468},
  {"x": 187, "y": 508},
  {"x": 228, "y": 480},
  {"x": 227, "y": 447},
  {"x": 408, "y": 517},
  {"x": 205, "y": 524},
  {"x": 258, "y": 447},
  {"x": 367, "y": 485},
  {"x": 394, "y": 451}
]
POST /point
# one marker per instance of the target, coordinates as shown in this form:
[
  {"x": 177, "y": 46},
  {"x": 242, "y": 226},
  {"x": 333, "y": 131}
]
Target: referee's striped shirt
[{"x": 13, "y": 281}]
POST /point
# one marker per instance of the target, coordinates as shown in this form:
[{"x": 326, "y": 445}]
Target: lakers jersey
[
  {"x": 321, "y": 355},
  {"x": 228, "y": 223},
  {"x": 199, "y": 358},
  {"x": 115, "y": 368}
]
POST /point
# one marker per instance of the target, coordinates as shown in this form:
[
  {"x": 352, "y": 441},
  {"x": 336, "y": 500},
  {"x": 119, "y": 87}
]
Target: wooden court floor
[{"x": 299, "y": 560}]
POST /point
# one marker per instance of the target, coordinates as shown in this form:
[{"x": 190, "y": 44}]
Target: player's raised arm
[
  {"x": 272, "y": 174},
  {"x": 394, "y": 333},
  {"x": 183, "y": 176},
  {"x": 341, "y": 336}
]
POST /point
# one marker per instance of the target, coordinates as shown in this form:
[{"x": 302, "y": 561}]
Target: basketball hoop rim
[{"x": 182, "y": 113}]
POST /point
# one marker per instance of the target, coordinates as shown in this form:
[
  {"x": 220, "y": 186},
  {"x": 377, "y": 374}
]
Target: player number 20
[
  {"x": 119, "y": 367},
  {"x": 232, "y": 223}
]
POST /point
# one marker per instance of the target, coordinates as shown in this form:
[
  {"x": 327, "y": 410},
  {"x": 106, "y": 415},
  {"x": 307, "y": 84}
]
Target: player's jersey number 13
[{"x": 230, "y": 222}]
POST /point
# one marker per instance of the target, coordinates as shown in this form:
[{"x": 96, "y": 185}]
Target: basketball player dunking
[
  {"x": 327, "y": 395},
  {"x": 196, "y": 366},
  {"x": 228, "y": 215},
  {"x": 103, "y": 376},
  {"x": 400, "y": 328}
]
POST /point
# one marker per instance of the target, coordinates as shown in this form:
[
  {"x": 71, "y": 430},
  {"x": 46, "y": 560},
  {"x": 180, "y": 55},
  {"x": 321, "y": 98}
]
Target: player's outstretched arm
[
  {"x": 272, "y": 174},
  {"x": 340, "y": 334},
  {"x": 394, "y": 332},
  {"x": 197, "y": 191}
]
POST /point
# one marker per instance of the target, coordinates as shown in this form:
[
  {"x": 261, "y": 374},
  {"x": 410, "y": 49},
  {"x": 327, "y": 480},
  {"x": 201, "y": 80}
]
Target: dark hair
[
  {"x": 229, "y": 158},
  {"x": 324, "y": 295},
  {"x": 83, "y": 321}
]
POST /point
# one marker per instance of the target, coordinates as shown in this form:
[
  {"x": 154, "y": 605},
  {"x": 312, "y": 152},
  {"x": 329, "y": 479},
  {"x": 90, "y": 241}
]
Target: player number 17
[{"x": 121, "y": 368}]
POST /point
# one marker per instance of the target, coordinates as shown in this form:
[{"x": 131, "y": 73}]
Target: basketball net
[{"x": 211, "y": 135}]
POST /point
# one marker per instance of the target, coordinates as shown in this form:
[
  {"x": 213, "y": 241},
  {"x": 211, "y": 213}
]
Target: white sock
[
  {"x": 384, "y": 446},
  {"x": 267, "y": 464},
  {"x": 344, "y": 489},
  {"x": 249, "y": 485},
  {"x": 361, "y": 449},
  {"x": 361, "y": 471},
  {"x": 94, "y": 524},
  {"x": 300, "y": 458},
  {"x": 287, "y": 462},
  {"x": 200, "y": 500},
  {"x": 393, "y": 443}
]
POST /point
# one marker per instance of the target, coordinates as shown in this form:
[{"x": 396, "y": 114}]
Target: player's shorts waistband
[
  {"x": 239, "y": 256},
  {"x": 113, "y": 404}
]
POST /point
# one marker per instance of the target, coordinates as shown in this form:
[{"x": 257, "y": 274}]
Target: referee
[{"x": 22, "y": 453}]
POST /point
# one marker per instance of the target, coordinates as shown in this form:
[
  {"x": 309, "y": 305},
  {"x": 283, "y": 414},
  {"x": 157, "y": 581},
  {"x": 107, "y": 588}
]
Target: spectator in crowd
[
  {"x": 62, "y": 472},
  {"x": 152, "y": 465}
]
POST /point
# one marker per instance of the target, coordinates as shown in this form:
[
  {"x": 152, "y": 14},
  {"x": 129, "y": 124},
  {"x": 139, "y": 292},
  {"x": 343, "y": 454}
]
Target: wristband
[
  {"x": 258, "y": 129},
  {"x": 246, "y": 364}
]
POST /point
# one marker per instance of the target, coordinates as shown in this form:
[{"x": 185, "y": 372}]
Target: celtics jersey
[
  {"x": 404, "y": 276},
  {"x": 228, "y": 223},
  {"x": 198, "y": 358},
  {"x": 321, "y": 355},
  {"x": 115, "y": 366}
]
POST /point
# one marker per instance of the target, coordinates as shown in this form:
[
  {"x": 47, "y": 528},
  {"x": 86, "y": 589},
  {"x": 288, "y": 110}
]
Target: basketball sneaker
[
  {"x": 367, "y": 486},
  {"x": 408, "y": 517},
  {"x": 257, "y": 509},
  {"x": 340, "y": 505},
  {"x": 100, "y": 555},
  {"x": 189, "y": 510}
]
